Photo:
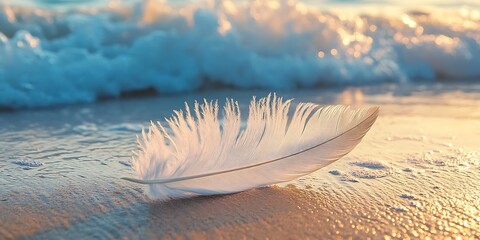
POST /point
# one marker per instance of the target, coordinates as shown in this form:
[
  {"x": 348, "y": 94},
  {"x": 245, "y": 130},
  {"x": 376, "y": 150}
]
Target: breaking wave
[{"x": 54, "y": 56}]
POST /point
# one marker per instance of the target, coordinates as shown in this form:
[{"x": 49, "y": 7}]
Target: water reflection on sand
[{"x": 416, "y": 174}]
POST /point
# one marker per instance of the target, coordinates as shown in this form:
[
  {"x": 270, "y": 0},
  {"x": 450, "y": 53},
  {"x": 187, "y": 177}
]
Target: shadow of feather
[
  {"x": 228, "y": 214},
  {"x": 254, "y": 213}
]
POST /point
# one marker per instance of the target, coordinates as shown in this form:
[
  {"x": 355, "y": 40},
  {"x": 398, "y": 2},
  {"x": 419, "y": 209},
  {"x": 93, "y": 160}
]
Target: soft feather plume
[{"x": 202, "y": 155}]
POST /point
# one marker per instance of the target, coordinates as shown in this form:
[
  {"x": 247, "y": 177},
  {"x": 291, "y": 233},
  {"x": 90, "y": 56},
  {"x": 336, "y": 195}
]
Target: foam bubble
[
  {"x": 369, "y": 174},
  {"x": 27, "y": 164},
  {"x": 371, "y": 164},
  {"x": 453, "y": 157},
  {"x": 371, "y": 169}
]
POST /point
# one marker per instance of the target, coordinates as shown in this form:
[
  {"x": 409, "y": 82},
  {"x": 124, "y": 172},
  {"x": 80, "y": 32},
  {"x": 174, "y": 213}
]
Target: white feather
[{"x": 202, "y": 155}]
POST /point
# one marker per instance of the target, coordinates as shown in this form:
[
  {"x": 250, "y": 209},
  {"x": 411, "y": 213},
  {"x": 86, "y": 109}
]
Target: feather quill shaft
[{"x": 203, "y": 156}]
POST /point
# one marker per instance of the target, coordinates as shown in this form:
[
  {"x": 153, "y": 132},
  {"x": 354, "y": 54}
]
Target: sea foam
[{"x": 54, "y": 56}]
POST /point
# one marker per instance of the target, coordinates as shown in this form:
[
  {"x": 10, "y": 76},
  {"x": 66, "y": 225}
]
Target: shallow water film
[{"x": 415, "y": 175}]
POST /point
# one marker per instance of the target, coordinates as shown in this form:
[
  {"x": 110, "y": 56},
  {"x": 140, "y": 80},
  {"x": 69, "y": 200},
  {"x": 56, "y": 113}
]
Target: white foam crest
[{"x": 56, "y": 56}]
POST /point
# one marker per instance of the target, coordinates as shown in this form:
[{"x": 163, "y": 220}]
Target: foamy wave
[
  {"x": 27, "y": 163},
  {"x": 58, "y": 56}
]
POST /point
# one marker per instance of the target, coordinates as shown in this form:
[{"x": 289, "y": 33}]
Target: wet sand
[{"x": 415, "y": 175}]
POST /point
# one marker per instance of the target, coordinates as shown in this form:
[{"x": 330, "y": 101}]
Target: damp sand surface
[{"x": 415, "y": 175}]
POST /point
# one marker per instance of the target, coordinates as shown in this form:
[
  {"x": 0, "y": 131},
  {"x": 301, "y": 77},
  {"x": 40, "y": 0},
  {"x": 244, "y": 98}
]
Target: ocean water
[{"x": 62, "y": 52}]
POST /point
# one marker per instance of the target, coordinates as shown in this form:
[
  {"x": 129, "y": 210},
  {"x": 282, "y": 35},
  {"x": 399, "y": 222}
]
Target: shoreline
[{"x": 150, "y": 93}]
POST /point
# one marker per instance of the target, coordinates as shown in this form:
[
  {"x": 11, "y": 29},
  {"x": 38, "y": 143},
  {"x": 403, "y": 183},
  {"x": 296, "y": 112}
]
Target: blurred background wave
[{"x": 69, "y": 51}]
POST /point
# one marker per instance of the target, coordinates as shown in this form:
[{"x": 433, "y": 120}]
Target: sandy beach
[
  {"x": 415, "y": 174},
  {"x": 80, "y": 79}
]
